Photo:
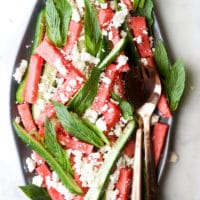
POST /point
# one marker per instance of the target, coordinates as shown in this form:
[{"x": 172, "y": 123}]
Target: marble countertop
[{"x": 180, "y": 21}]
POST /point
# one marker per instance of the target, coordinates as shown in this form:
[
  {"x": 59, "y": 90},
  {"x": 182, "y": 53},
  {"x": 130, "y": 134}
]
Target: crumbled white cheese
[
  {"x": 40, "y": 104},
  {"x": 110, "y": 35},
  {"x": 144, "y": 61},
  {"x": 101, "y": 124},
  {"x": 60, "y": 67},
  {"x": 106, "y": 80},
  {"x": 86, "y": 57},
  {"x": 91, "y": 115},
  {"x": 104, "y": 5},
  {"x": 145, "y": 32},
  {"x": 104, "y": 32},
  {"x": 121, "y": 60},
  {"x": 37, "y": 180},
  {"x": 64, "y": 98},
  {"x": 75, "y": 15},
  {"x": 86, "y": 167},
  {"x": 20, "y": 71},
  {"x": 36, "y": 159},
  {"x": 80, "y": 5},
  {"x": 119, "y": 16},
  {"x": 138, "y": 39},
  {"x": 59, "y": 82},
  {"x": 17, "y": 119},
  {"x": 30, "y": 164}
]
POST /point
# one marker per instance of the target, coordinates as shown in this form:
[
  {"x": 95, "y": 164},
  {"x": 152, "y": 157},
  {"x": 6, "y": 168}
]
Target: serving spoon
[{"x": 143, "y": 90}]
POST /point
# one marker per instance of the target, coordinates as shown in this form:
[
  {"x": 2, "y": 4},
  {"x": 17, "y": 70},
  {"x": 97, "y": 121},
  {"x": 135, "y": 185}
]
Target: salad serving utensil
[{"x": 143, "y": 90}]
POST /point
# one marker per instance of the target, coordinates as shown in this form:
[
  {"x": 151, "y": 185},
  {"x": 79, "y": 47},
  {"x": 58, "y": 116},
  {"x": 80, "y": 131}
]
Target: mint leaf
[
  {"x": 65, "y": 11},
  {"x": 58, "y": 15},
  {"x": 125, "y": 106},
  {"x": 35, "y": 193},
  {"x": 161, "y": 58},
  {"x": 53, "y": 23},
  {"x": 93, "y": 35},
  {"x": 84, "y": 98},
  {"x": 175, "y": 84},
  {"x": 54, "y": 147},
  {"x": 73, "y": 124},
  {"x": 173, "y": 76}
]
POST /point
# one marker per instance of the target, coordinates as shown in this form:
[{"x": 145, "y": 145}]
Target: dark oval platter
[{"x": 24, "y": 53}]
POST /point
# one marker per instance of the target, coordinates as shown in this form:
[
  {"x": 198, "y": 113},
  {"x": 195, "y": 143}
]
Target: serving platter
[{"x": 24, "y": 53}]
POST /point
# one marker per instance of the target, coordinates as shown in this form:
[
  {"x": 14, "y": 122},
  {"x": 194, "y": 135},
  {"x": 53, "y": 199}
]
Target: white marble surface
[{"x": 181, "y": 23}]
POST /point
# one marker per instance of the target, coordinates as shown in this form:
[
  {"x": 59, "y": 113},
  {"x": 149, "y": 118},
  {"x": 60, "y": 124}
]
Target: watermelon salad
[{"x": 72, "y": 108}]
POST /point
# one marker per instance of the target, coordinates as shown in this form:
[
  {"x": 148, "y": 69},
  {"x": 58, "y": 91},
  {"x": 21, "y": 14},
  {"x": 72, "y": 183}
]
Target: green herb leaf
[
  {"x": 35, "y": 193},
  {"x": 147, "y": 12},
  {"x": 65, "y": 11},
  {"x": 55, "y": 148},
  {"x": 76, "y": 126},
  {"x": 96, "y": 191},
  {"x": 104, "y": 49},
  {"x": 173, "y": 76},
  {"x": 175, "y": 84},
  {"x": 84, "y": 98},
  {"x": 97, "y": 131},
  {"x": 125, "y": 106},
  {"x": 58, "y": 15},
  {"x": 65, "y": 177},
  {"x": 161, "y": 58},
  {"x": 53, "y": 23},
  {"x": 93, "y": 34}
]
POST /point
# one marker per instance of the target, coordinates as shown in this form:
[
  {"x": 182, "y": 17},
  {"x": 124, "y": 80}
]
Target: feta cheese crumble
[
  {"x": 91, "y": 115},
  {"x": 122, "y": 60},
  {"x": 37, "y": 180},
  {"x": 138, "y": 39},
  {"x": 60, "y": 67},
  {"x": 20, "y": 71},
  {"x": 101, "y": 124},
  {"x": 31, "y": 164},
  {"x": 119, "y": 16}
]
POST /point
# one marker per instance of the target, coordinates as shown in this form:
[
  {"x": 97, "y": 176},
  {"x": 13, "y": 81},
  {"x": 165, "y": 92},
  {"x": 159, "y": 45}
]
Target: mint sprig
[
  {"x": 93, "y": 36},
  {"x": 175, "y": 84},
  {"x": 58, "y": 15},
  {"x": 77, "y": 127},
  {"x": 173, "y": 75},
  {"x": 54, "y": 147}
]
